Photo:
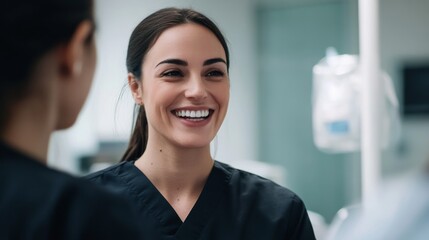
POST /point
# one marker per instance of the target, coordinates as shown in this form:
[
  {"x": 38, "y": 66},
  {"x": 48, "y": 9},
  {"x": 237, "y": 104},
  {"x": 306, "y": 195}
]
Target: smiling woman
[
  {"x": 178, "y": 64},
  {"x": 184, "y": 71}
]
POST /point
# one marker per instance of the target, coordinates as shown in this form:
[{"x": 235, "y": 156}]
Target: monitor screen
[{"x": 416, "y": 89}]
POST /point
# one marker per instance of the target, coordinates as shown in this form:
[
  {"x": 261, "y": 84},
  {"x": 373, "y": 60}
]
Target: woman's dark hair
[
  {"x": 30, "y": 29},
  {"x": 142, "y": 39}
]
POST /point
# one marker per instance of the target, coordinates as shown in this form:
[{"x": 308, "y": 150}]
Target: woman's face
[{"x": 185, "y": 87}]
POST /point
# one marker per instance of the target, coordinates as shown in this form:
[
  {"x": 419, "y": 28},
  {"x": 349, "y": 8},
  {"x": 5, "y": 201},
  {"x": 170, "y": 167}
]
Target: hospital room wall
[{"x": 292, "y": 38}]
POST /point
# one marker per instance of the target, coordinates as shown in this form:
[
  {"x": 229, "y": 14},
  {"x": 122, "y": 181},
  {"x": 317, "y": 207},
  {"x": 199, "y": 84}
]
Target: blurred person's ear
[
  {"x": 73, "y": 52},
  {"x": 77, "y": 61}
]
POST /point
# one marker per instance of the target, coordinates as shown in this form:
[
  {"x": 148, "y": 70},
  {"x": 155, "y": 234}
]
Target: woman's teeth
[{"x": 192, "y": 114}]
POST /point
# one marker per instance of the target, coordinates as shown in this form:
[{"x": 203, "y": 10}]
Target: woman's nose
[{"x": 196, "y": 88}]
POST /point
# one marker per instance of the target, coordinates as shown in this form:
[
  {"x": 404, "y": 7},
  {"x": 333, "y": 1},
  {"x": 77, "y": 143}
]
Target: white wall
[{"x": 116, "y": 20}]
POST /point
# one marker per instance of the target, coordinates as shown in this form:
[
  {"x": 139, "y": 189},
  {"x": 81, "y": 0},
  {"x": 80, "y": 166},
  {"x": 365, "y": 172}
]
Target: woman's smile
[{"x": 193, "y": 117}]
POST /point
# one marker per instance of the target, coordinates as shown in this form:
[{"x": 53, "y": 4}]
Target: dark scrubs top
[
  {"x": 233, "y": 205},
  {"x": 41, "y": 203}
]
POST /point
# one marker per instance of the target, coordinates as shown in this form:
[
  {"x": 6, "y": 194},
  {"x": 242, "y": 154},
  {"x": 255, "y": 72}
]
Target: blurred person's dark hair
[{"x": 30, "y": 29}]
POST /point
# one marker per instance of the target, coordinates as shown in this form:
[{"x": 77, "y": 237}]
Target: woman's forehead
[{"x": 190, "y": 42}]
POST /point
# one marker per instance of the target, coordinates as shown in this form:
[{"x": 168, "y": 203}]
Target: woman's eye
[
  {"x": 215, "y": 73},
  {"x": 173, "y": 73}
]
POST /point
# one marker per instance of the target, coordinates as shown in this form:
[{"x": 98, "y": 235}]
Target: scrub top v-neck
[{"x": 233, "y": 205}]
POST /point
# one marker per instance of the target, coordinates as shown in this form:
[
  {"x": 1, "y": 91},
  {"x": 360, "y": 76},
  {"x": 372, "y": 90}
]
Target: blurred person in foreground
[{"x": 47, "y": 62}]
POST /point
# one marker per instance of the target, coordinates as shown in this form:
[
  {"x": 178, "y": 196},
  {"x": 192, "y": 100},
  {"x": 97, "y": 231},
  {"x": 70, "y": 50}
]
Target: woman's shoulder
[
  {"x": 264, "y": 201},
  {"x": 250, "y": 185}
]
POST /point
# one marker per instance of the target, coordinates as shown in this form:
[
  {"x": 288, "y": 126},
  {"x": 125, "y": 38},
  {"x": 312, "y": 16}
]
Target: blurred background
[{"x": 274, "y": 45}]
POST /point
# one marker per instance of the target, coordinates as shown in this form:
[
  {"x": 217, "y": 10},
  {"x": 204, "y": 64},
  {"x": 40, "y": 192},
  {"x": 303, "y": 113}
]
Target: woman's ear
[
  {"x": 135, "y": 86},
  {"x": 73, "y": 53}
]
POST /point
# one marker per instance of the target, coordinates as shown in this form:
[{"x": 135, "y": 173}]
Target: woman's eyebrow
[
  {"x": 173, "y": 61},
  {"x": 212, "y": 61},
  {"x": 184, "y": 63}
]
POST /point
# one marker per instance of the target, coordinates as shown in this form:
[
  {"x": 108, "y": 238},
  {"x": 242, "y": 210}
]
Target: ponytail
[{"x": 139, "y": 136}]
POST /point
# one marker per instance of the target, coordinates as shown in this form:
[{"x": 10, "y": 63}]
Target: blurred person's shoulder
[{"x": 49, "y": 204}]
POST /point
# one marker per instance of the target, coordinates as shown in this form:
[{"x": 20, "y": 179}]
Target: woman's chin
[{"x": 193, "y": 143}]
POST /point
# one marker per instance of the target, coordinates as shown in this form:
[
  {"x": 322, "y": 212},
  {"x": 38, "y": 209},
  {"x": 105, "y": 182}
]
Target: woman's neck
[{"x": 171, "y": 167}]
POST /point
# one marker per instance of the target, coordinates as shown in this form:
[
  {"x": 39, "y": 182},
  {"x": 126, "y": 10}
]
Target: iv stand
[{"x": 372, "y": 92}]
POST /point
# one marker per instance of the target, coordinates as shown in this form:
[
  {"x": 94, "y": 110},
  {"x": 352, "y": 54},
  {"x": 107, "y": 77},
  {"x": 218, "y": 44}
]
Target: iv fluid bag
[{"x": 337, "y": 105}]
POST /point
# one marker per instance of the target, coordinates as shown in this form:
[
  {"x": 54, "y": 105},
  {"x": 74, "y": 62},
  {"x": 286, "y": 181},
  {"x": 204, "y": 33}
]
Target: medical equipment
[{"x": 337, "y": 85}]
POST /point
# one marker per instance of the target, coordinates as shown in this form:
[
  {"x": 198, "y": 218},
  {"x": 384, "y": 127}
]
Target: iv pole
[{"x": 372, "y": 93}]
